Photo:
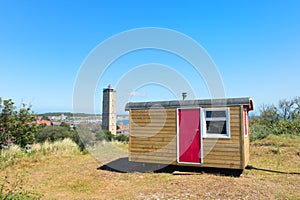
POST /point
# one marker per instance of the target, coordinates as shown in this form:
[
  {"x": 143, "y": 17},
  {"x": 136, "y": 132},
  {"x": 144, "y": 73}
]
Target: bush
[
  {"x": 286, "y": 127},
  {"x": 102, "y": 135},
  {"x": 122, "y": 138},
  {"x": 16, "y": 125},
  {"x": 259, "y": 131},
  {"x": 75, "y": 137},
  {"x": 53, "y": 133},
  {"x": 56, "y": 133}
]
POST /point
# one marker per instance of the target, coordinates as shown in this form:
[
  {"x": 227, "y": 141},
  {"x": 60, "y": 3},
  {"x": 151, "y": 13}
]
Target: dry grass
[
  {"x": 37, "y": 153},
  {"x": 74, "y": 176}
]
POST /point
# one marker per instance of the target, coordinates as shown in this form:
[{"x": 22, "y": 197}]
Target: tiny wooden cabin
[{"x": 203, "y": 133}]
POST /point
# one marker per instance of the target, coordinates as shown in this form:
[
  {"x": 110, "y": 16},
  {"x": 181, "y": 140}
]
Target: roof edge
[{"x": 244, "y": 101}]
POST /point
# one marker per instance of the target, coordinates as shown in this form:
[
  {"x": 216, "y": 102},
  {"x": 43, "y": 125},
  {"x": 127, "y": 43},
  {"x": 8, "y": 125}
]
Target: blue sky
[{"x": 254, "y": 44}]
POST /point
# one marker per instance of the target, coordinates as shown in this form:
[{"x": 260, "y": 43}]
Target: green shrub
[
  {"x": 286, "y": 127},
  {"x": 122, "y": 138},
  {"x": 75, "y": 137},
  {"x": 53, "y": 133},
  {"x": 15, "y": 124},
  {"x": 102, "y": 135},
  {"x": 258, "y": 131}
]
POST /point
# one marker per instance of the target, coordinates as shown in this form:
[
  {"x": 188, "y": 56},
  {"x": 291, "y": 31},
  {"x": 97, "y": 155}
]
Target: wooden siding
[
  {"x": 225, "y": 153},
  {"x": 247, "y": 150},
  {"x": 153, "y": 139},
  {"x": 153, "y": 136}
]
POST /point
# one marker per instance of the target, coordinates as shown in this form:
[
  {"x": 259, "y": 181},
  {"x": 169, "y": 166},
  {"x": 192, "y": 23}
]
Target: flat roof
[{"x": 244, "y": 101}]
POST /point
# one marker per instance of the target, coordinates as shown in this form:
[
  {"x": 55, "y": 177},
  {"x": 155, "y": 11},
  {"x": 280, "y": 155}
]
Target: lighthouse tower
[{"x": 109, "y": 116}]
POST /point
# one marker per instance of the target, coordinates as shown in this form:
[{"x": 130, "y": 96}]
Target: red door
[{"x": 189, "y": 135}]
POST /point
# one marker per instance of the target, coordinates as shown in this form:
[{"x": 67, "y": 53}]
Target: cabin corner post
[
  {"x": 246, "y": 136},
  {"x": 130, "y": 134},
  {"x": 177, "y": 138},
  {"x": 242, "y": 138}
]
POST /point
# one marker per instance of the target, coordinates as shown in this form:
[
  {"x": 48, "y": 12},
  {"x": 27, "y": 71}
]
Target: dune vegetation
[
  {"x": 58, "y": 166},
  {"x": 59, "y": 170}
]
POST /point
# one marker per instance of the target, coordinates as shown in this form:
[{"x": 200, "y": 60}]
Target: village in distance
[{"x": 73, "y": 119}]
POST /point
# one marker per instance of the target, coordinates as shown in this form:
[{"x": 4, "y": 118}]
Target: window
[{"x": 216, "y": 123}]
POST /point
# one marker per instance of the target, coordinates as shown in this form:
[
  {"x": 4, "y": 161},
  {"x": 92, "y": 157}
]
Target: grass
[
  {"x": 109, "y": 151},
  {"x": 277, "y": 152},
  {"x": 279, "y": 140},
  {"x": 37, "y": 153},
  {"x": 13, "y": 189},
  {"x": 68, "y": 174}
]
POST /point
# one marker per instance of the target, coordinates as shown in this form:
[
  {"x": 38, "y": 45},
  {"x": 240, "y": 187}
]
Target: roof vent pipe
[{"x": 184, "y": 95}]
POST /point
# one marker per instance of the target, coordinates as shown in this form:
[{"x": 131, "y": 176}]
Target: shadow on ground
[{"x": 123, "y": 165}]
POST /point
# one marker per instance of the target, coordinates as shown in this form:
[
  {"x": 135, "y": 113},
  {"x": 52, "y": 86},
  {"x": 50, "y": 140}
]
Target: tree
[
  {"x": 272, "y": 120},
  {"x": 23, "y": 131},
  {"x": 296, "y": 111},
  {"x": 6, "y": 120},
  {"x": 268, "y": 114},
  {"x": 16, "y": 126},
  {"x": 289, "y": 109},
  {"x": 286, "y": 108}
]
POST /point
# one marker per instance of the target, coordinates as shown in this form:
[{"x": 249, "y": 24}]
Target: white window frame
[{"x": 226, "y": 119}]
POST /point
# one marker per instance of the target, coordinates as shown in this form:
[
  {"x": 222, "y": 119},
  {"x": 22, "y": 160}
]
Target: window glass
[
  {"x": 211, "y": 114},
  {"x": 216, "y": 122},
  {"x": 216, "y": 127}
]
